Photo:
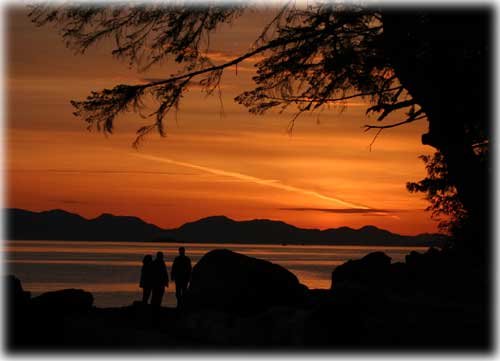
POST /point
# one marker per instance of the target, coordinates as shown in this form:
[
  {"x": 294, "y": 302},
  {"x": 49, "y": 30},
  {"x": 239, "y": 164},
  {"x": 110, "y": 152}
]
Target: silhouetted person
[
  {"x": 146, "y": 282},
  {"x": 181, "y": 274},
  {"x": 160, "y": 279}
]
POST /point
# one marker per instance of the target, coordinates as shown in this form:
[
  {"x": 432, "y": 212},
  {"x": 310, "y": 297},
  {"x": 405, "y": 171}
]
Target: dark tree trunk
[{"x": 442, "y": 59}]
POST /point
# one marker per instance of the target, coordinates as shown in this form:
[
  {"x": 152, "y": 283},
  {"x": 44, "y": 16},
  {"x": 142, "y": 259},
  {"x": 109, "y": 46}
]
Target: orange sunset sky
[{"x": 212, "y": 162}]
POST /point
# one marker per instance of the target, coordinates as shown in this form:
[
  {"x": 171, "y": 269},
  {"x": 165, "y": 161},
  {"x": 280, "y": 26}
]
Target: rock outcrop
[
  {"x": 64, "y": 301},
  {"x": 17, "y": 297},
  {"x": 230, "y": 281},
  {"x": 372, "y": 269}
]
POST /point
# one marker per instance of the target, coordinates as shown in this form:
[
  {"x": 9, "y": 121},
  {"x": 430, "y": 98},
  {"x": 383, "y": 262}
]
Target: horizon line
[{"x": 211, "y": 216}]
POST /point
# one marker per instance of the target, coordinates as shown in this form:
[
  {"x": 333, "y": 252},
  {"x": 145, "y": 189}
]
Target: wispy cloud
[
  {"x": 265, "y": 182},
  {"x": 69, "y": 201},
  {"x": 227, "y": 57},
  {"x": 358, "y": 211},
  {"x": 191, "y": 84},
  {"x": 97, "y": 171},
  {"x": 338, "y": 210}
]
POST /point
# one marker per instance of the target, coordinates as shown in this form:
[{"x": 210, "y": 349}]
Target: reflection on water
[
  {"x": 75, "y": 262},
  {"x": 110, "y": 270}
]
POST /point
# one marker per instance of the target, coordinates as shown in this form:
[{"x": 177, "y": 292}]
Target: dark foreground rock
[
  {"x": 42, "y": 322},
  {"x": 373, "y": 269},
  {"x": 17, "y": 302},
  {"x": 16, "y": 295},
  {"x": 425, "y": 313},
  {"x": 229, "y": 281},
  {"x": 64, "y": 301}
]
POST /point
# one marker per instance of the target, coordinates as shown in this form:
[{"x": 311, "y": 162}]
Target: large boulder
[
  {"x": 229, "y": 281},
  {"x": 16, "y": 296},
  {"x": 64, "y": 301},
  {"x": 17, "y": 311},
  {"x": 371, "y": 270}
]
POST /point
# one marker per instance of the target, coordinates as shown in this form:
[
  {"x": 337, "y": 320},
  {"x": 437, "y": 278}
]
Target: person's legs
[
  {"x": 156, "y": 299},
  {"x": 180, "y": 291},
  {"x": 157, "y": 296},
  {"x": 161, "y": 292},
  {"x": 146, "y": 292}
]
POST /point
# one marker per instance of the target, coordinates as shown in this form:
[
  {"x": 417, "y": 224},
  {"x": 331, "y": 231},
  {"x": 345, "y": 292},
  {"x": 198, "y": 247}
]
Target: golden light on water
[{"x": 111, "y": 269}]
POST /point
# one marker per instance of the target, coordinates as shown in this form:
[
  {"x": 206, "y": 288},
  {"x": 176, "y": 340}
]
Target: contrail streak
[{"x": 266, "y": 182}]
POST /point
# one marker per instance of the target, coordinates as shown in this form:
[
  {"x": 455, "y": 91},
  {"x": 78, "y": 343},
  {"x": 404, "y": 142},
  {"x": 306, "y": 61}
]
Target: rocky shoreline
[{"x": 433, "y": 301}]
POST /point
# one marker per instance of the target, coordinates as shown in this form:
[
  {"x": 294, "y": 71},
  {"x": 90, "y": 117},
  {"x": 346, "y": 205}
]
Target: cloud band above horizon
[{"x": 339, "y": 210}]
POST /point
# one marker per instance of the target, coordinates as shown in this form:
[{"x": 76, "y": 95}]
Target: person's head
[
  {"x": 159, "y": 255},
  {"x": 182, "y": 250},
  {"x": 147, "y": 259}
]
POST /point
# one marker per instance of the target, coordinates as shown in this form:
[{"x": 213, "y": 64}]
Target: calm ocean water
[{"x": 110, "y": 270}]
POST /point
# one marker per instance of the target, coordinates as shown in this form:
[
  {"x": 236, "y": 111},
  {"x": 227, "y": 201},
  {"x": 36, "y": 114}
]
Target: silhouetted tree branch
[
  {"x": 445, "y": 205},
  {"x": 100, "y": 109},
  {"x": 317, "y": 56},
  {"x": 328, "y": 100},
  {"x": 410, "y": 119}
]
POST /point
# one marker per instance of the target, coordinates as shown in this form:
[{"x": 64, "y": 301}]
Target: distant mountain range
[{"x": 61, "y": 225}]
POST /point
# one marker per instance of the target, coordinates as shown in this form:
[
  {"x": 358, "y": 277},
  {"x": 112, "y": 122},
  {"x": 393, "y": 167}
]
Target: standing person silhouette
[
  {"x": 160, "y": 279},
  {"x": 181, "y": 274},
  {"x": 146, "y": 282}
]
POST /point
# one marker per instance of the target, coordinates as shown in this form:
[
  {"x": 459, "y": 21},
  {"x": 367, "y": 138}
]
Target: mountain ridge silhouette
[{"x": 58, "y": 224}]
